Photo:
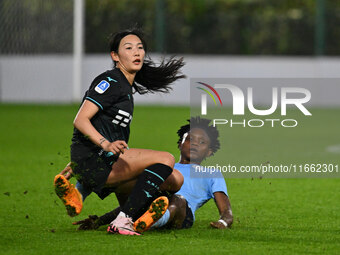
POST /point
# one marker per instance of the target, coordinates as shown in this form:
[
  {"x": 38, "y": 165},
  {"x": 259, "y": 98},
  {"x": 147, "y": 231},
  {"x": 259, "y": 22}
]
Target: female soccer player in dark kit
[{"x": 100, "y": 157}]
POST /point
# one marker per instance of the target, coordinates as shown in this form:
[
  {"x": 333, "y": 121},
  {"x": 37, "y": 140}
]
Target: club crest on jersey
[{"x": 102, "y": 87}]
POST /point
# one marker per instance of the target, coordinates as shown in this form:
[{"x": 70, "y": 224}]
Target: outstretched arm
[
  {"x": 224, "y": 208},
  {"x": 94, "y": 222}
]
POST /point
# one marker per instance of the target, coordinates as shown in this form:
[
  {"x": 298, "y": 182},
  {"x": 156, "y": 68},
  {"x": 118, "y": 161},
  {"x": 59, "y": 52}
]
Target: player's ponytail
[{"x": 151, "y": 78}]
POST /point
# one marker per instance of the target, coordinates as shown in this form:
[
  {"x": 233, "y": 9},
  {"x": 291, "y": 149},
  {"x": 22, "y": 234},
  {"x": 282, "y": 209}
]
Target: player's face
[
  {"x": 130, "y": 55},
  {"x": 196, "y": 146}
]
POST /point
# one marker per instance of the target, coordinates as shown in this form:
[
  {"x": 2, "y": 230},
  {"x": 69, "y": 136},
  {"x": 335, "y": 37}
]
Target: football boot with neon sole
[
  {"x": 68, "y": 194},
  {"x": 156, "y": 210}
]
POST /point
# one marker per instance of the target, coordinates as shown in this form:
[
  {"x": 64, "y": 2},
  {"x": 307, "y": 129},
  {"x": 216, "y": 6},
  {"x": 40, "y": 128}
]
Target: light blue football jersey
[{"x": 197, "y": 191}]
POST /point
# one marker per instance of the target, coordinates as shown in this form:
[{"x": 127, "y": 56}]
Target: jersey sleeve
[
  {"x": 104, "y": 91},
  {"x": 218, "y": 185}
]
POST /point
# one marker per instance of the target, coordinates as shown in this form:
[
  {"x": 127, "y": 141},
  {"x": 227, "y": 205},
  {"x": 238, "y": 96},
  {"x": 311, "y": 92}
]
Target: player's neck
[
  {"x": 129, "y": 76},
  {"x": 184, "y": 160}
]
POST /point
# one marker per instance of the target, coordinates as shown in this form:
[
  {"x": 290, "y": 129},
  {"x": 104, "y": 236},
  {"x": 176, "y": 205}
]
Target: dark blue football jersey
[{"x": 112, "y": 93}]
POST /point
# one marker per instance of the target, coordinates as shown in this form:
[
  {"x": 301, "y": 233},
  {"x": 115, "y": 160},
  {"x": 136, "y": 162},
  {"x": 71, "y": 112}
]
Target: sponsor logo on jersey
[
  {"x": 102, "y": 87},
  {"x": 110, "y": 79},
  {"x": 123, "y": 118}
]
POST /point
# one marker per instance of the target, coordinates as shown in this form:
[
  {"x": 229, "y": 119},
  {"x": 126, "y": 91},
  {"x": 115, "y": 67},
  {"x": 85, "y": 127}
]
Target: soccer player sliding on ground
[
  {"x": 101, "y": 159},
  {"x": 197, "y": 141}
]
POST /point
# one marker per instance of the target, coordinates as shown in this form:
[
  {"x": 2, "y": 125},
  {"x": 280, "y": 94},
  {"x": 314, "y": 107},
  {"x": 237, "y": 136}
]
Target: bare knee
[
  {"x": 178, "y": 180},
  {"x": 174, "y": 182},
  {"x": 179, "y": 201},
  {"x": 177, "y": 210},
  {"x": 165, "y": 158}
]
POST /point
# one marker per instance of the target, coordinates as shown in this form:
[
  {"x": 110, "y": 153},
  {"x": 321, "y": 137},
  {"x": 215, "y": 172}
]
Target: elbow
[{"x": 76, "y": 122}]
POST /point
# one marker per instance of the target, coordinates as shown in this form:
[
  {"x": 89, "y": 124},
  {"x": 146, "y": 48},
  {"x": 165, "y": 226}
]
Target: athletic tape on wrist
[{"x": 223, "y": 222}]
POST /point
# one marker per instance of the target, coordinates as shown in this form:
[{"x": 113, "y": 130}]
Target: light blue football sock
[
  {"x": 162, "y": 221},
  {"x": 83, "y": 191}
]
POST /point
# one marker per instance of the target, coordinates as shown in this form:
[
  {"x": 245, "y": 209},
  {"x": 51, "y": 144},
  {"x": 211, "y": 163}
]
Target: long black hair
[
  {"x": 197, "y": 122},
  {"x": 150, "y": 78}
]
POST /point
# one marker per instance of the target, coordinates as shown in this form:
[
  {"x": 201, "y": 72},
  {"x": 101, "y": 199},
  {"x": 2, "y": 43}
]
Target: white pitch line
[{"x": 334, "y": 148}]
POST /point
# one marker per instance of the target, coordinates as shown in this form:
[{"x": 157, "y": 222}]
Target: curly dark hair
[{"x": 197, "y": 122}]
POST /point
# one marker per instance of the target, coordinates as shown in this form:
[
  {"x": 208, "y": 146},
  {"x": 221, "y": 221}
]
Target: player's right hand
[
  {"x": 88, "y": 224},
  {"x": 115, "y": 147}
]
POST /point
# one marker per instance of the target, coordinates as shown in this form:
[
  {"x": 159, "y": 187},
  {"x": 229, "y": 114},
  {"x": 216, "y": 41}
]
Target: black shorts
[
  {"x": 92, "y": 166},
  {"x": 189, "y": 218}
]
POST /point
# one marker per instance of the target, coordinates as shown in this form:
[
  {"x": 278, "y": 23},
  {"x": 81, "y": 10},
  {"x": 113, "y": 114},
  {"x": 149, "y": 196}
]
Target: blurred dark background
[{"x": 233, "y": 27}]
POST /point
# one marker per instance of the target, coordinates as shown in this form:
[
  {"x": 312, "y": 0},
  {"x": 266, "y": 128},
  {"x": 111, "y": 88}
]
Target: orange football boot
[
  {"x": 156, "y": 210},
  {"x": 68, "y": 194}
]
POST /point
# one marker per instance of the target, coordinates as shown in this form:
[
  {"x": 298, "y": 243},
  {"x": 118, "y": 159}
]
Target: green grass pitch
[{"x": 271, "y": 216}]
